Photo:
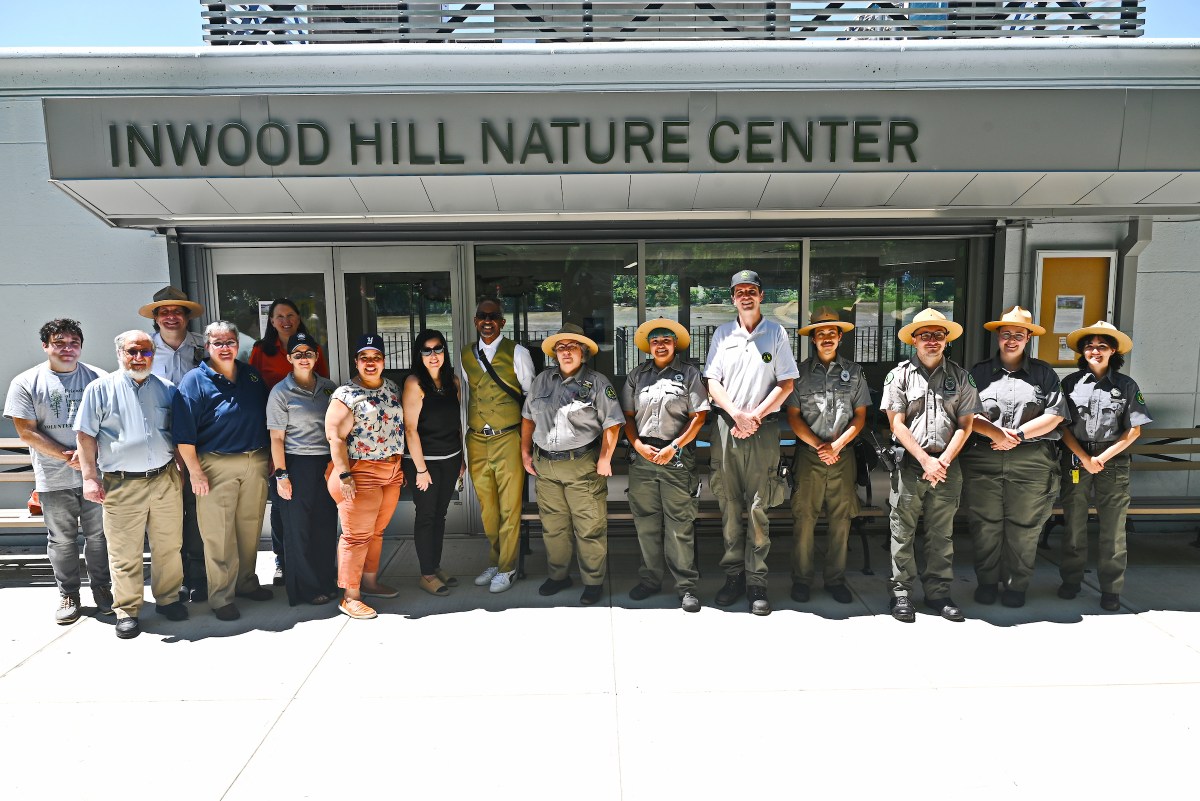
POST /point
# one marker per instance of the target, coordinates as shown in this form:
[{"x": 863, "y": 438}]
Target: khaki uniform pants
[
  {"x": 137, "y": 509},
  {"x": 745, "y": 482},
  {"x": 662, "y": 500},
  {"x": 1111, "y": 487},
  {"x": 1009, "y": 496},
  {"x": 231, "y": 521},
  {"x": 572, "y": 501},
  {"x": 910, "y": 498},
  {"x": 499, "y": 479},
  {"x": 832, "y": 488}
]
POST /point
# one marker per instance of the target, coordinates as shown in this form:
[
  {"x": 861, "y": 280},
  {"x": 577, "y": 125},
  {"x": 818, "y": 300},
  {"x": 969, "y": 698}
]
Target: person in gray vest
[
  {"x": 750, "y": 373},
  {"x": 42, "y": 403},
  {"x": 826, "y": 411},
  {"x": 665, "y": 404},
  {"x": 931, "y": 405},
  {"x": 1010, "y": 464},
  {"x": 499, "y": 373},
  {"x": 569, "y": 430},
  {"x": 1107, "y": 415}
]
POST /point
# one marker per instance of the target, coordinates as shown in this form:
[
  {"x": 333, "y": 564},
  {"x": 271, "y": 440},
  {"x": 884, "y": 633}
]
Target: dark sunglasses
[
  {"x": 135, "y": 352},
  {"x": 304, "y": 354},
  {"x": 439, "y": 350},
  {"x": 489, "y": 316}
]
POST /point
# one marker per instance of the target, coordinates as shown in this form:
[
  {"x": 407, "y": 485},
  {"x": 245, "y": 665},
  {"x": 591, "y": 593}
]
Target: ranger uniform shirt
[
  {"x": 828, "y": 395},
  {"x": 931, "y": 401},
  {"x": 663, "y": 401},
  {"x": 568, "y": 413},
  {"x": 750, "y": 363},
  {"x": 1011, "y": 399},
  {"x": 1102, "y": 410}
]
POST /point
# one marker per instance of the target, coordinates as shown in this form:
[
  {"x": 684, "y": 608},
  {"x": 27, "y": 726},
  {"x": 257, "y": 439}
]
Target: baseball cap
[
  {"x": 745, "y": 277},
  {"x": 369, "y": 342},
  {"x": 298, "y": 339}
]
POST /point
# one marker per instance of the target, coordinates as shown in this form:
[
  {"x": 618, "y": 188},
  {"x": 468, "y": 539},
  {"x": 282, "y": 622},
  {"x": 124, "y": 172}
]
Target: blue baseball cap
[
  {"x": 300, "y": 338},
  {"x": 369, "y": 342}
]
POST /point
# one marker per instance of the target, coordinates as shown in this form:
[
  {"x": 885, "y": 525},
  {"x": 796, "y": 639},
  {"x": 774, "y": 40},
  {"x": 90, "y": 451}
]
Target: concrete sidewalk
[{"x": 519, "y": 696}]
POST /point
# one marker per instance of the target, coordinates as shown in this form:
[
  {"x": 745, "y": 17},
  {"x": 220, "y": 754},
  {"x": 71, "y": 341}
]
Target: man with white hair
[{"x": 126, "y": 455}]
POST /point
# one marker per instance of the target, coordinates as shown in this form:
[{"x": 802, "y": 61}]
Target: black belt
[
  {"x": 129, "y": 474},
  {"x": 1096, "y": 448},
  {"x": 562, "y": 456},
  {"x": 657, "y": 443},
  {"x": 488, "y": 431}
]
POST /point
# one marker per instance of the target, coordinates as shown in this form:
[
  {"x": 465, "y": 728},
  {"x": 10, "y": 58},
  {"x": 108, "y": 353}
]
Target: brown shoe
[
  {"x": 356, "y": 609},
  {"x": 433, "y": 586}
]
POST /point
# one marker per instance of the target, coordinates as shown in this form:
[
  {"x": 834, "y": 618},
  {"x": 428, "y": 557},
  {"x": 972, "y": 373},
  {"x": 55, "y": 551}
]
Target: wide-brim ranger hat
[
  {"x": 1100, "y": 328},
  {"x": 929, "y": 318},
  {"x": 641, "y": 337},
  {"x": 575, "y": 334},
  {"x": 1018, "y": 317},
  {"x": 170, "y": 296},
  {"x": 824, "y": 318}
]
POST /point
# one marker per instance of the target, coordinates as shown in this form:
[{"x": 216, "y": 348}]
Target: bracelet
[
  {"x": 346, "y": 475},
  {"x": 422, "y": 472}
]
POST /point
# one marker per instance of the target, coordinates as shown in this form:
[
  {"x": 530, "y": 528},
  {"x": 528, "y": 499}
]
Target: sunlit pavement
[{"x": 519, "y": 696}]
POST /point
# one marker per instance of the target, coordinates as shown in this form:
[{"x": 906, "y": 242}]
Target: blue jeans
[{"x": 65, "y": 512}]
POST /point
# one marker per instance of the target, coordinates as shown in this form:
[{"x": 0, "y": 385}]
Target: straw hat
[
  {"x": 170, "y": 296},
  {"x": 927, "y": 319},
  {"x": 1016, "y": 316},
  {"x": 1124, "y": 343},
  {"x": 823, "y": 318},
  {"x": 572, "y": 332},
  {"x": 641, "y": 337}
]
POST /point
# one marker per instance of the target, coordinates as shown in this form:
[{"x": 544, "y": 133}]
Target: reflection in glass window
[
  {"x": 398, "y": 306},
  {"x": 689, "y": 282},
  {"x": 543, "y": 286},
  {"x": 244, "y": 300}
]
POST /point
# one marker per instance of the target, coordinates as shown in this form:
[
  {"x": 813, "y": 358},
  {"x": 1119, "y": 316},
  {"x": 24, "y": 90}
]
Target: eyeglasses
[
  {"x": 1010, "y": 337},
  {"x": 481, "y": 316},
  {"x": 304, "y": 354},
  {"x": 439, "y": 350},
  {"x": 930, "y": 336},
  {"x": 567, "y": 347},
  {"x": 228, "y": 343},
  {"x": 133, "y": 353},
  {"x": 1099, "y": 347},
  {"x": 66, "y": 344}
]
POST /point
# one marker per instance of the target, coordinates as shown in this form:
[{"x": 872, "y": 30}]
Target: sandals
[
  {"x": 446, "y": 578},
  {"x": 433, "y": 586}
]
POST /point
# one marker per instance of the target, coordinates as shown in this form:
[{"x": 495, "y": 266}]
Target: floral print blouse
[{"x": 378, "y": 431}]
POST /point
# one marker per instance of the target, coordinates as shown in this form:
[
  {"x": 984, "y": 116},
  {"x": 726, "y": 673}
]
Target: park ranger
[
  {"x": 750, "y": 371},
  {"x": 826, "y": 410},
  {"x": 1010, "y": 465},
  {"x": 931, "y": 405},
  {"x": 569, "y": 430},
  {"x": 1107, "y": 415},
  {"x": 665, "y": 404}
]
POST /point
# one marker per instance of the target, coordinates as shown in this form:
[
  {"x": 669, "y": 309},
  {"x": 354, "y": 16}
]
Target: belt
[
  {"x": 1096, "y": 448},
  {"x": 129, "y": 474},
  {"x": 488, "y": 431},
  {"x": 561, "y": 456},
  {"x": 658, "y": 443},
  {"x": 391, "y": 459}
]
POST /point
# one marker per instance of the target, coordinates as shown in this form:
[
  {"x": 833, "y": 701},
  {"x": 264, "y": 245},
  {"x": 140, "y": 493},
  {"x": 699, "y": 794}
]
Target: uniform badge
[
  {"x": 971, "y": 380},
  {"x": 890, "y": 377},
  {"x": 767, "y": 358},
  {"x": 1116, "y": 393},
  {"x": 679, "y": 376},
  {"x": 949, "y": 385},
  {"x": 254, "y": 378},
  {"x": 610, "y": 393},
  {"x": 846, "y": 375},
  {"x": 1140, "y": 399}
]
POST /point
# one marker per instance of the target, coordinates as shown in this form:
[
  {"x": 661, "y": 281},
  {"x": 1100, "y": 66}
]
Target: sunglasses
[
  {"x": 439, "y": 350},
  {"x": 133, "y": 353},
  {"x": 304, "y": 354},
  {"x": 489, "y": 316}
]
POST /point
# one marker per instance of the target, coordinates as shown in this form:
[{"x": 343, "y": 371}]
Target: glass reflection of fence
[{"x": 399, "y": 350}]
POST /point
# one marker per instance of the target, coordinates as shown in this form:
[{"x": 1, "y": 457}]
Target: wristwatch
[
  {"x": 281, "y": 473},
  {"x": 1021, "y": 434},
  {"x": 346, "y": 475}
]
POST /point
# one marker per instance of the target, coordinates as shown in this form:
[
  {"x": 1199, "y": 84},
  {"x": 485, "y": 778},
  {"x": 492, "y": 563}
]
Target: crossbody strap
[{"x": 482, "y": 358}]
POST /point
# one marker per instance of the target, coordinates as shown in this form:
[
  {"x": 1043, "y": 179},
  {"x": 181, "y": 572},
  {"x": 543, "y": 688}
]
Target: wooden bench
[{"x": 16, "y": 466}]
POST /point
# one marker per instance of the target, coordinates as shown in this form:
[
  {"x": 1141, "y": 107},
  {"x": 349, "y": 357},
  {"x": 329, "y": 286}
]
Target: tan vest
[{"x": 488, "y": 403}]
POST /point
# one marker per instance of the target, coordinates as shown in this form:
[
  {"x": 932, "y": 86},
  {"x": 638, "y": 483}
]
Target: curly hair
[{"x": 60, "y": 325}]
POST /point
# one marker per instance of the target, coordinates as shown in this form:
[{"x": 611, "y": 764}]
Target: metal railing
[{"x": 620, "y": 20}]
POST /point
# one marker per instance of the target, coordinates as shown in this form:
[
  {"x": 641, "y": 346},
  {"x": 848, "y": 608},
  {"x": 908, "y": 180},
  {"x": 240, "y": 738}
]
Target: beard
[{"x": 137, "y": 375}]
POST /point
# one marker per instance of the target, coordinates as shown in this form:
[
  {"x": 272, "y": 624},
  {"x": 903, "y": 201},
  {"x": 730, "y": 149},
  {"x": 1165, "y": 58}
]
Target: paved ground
[{"x": 518, "y": 696}]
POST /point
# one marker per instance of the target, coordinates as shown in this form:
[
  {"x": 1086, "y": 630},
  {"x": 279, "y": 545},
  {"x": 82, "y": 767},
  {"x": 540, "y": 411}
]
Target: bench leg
[
  {"x": 1051, "y": 522},
  {"x": 859, "y": 525},
  {"x": 1196, "y": 542},
  {"x": 523, "y": 549}
]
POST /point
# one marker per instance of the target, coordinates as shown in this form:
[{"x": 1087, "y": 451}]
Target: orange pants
[{"x": 377, "y": 488}]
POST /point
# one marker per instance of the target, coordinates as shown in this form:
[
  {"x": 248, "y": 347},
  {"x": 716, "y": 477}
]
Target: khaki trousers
[
  {"x": 499, "y": 479},
  {"x": 572, "y": 502},
  {"x": 150, "y": 509},
  {"x": 662, "y": 500},
  {"x": 744, "y": 481},
  {"x": 1111, "y": 487},
  {"x": 376, "y": 491},
  {"x": 911, "y": 498},
  {"x": 231, "y": 521},
  {"x": 831, "y": 488}
]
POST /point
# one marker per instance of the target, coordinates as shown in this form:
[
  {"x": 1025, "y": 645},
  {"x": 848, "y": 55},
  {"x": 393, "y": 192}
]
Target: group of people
[{"x": 184, "y": 444}]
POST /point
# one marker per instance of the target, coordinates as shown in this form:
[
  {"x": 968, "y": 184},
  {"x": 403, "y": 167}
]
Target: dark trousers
[
  {"x": 278, "y": 521},
  {"x": 309, "y": 531},
  {"x": 429, "y": 528},
  {"x": 195, "y": 575}
]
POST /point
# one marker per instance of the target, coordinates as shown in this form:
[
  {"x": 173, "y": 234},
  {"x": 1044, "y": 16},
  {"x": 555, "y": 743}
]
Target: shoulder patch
[
  {"x": 1140, "y": 399},
  {"x": 766, "y": 357},
  {"x": 610, "y": 393},
  {"x": 891, "y": 376},
  {"x": 971, "y": 380}
]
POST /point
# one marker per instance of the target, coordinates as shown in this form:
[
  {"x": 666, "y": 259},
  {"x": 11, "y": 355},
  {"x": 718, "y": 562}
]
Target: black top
[{"x": 439, "y": 425}]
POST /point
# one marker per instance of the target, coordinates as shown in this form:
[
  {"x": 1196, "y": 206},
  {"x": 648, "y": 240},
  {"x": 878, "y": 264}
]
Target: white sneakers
[
  {"x": 502, "y": 581},
  {"x": 486, "y": 576}
]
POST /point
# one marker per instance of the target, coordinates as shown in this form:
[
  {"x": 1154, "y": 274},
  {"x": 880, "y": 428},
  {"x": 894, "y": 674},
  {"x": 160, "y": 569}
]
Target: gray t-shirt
[
  {"x": 51, "y": 399},
  {"x": 828, "y": 396},
  {"x": 300, "y": 414},
  {"x": 750, "y": 363},
  {"x": 663, "y": 401}
]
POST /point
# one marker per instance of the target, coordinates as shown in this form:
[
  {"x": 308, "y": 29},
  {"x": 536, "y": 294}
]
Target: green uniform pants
[
  {"x": 1111, "y": 486},
  {"x": 499, "y": 480},
  {"x": 1009, "y": 496},
  {"x": 744, "y": 481},
  {"x": 822, "y": 486},
  {"x": 572, "y": 502},
  {"x": 910, "y": 498},
  {"x": 662, "y": 499}
]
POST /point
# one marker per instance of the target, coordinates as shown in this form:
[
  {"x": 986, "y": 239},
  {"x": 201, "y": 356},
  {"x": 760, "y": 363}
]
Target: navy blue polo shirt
[{"x": 219, "y": 415}]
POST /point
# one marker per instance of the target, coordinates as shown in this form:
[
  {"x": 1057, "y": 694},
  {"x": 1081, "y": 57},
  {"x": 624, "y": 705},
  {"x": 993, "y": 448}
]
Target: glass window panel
[
  {"x": 398, "y": 306},
  {"x": 240, "y": 296},
  {"x": 543, "y": 286}
]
